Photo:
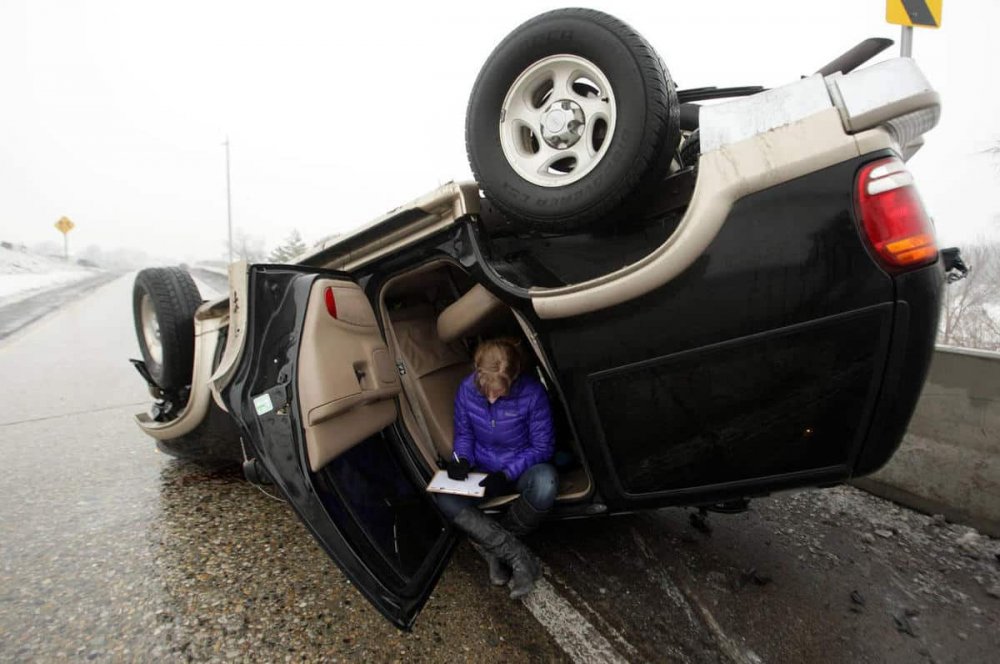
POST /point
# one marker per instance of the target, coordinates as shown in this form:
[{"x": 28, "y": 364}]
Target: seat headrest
[{"x": 469, "y": 314}]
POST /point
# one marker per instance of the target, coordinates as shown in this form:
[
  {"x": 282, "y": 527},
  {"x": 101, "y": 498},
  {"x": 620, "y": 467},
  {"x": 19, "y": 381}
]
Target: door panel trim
[{"x": 345, "y": 392}]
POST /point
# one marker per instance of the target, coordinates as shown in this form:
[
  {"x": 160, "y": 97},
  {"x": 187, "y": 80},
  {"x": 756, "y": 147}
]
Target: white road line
[
  {"x": 731, "y": 648},
  {"x": 614, "y": 636},
  {"x": 574, "y": 634},
  {"x": 685, "y": 599}
]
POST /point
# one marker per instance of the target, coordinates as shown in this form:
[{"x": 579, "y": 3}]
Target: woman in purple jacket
[{"x": 503, "y": 427}]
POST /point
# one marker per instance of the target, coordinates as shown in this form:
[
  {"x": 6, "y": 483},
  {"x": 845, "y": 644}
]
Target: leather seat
[
  {"x": 474, "y": 312},
  {"x": 434, "y": 369}
]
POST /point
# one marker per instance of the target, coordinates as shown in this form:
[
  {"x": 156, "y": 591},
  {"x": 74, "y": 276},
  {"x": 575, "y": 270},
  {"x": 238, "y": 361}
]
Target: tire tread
[{"x": 175, "y": 298}]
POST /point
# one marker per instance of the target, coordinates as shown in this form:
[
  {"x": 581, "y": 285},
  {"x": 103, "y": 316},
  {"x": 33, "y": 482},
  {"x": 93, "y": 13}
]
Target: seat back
[
  {"x": 435, "y": 370},
  {"x": 476, "y": 310}
]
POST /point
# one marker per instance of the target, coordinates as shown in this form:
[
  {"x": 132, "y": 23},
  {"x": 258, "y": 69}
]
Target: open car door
[{"x": 314, "y": 395}]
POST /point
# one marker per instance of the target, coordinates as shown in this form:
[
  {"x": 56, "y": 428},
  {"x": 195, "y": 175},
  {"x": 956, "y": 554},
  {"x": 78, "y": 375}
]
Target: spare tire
[
  {"x": 572, "y": 116},
  {"x": 164, "y": 300}
]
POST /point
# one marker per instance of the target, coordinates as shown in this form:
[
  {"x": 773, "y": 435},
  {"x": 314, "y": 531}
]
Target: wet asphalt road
[
  {"x": 111, "y": 551},
  {"x": 16, "y": 315}
]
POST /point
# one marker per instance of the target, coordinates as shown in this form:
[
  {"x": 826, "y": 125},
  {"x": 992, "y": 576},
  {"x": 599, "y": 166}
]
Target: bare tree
[
  {"x": 970, "y": 315},
  {"x": 248, "y": 247},
  {"x": 993, "y": 152}
]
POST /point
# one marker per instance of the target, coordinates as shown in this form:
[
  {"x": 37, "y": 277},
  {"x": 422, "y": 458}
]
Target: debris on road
[
  {"x": 903, "y": 624},
  {"x": 968, "y": 543},
  {"x": 699, "y": 521},
  {"x": 750, "y": 575}
]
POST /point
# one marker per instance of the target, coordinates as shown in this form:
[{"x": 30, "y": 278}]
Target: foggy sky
[{"x": 114, "y": 113}]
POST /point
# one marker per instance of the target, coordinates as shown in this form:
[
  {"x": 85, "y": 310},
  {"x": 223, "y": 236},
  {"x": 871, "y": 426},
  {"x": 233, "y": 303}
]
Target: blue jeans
[{"x": 538, "y": 485}]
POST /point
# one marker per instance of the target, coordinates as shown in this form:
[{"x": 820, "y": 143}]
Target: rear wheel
[
  {"x": 572, "y": 116},
  {"x": 164, "y": 300}
]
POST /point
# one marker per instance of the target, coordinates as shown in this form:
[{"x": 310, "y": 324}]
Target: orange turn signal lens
[{"x": 917, "y": 249}]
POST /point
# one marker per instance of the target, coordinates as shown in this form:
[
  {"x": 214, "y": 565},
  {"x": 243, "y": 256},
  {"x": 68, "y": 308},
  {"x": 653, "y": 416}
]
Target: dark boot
[
  {"x": 521, "y": 518},
  {"x": 499, "y": 572},
  {"x": 488, "y": 534}
]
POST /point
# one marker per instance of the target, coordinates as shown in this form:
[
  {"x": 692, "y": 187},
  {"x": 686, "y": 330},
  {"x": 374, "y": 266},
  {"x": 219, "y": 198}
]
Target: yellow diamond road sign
[
  {"x": 64, "y": 225},
  {"x": 919, "y": 13}
]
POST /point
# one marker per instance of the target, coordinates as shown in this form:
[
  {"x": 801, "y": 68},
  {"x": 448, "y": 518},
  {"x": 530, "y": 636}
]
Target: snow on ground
[
  {"x": 218, "y": 267},
  {"x": 23, "y": 274}
]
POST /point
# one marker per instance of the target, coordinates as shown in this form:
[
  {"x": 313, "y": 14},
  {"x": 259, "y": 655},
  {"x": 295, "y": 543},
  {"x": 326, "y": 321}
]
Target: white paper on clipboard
[{"x": 441, "y": 483}]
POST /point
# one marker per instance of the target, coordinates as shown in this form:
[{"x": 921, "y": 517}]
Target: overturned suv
[{"x": 722, "y": 300}]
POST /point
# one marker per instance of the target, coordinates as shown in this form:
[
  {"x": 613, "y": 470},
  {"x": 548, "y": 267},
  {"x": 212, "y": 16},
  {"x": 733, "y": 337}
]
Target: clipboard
[{"x": 441, "y": 483}]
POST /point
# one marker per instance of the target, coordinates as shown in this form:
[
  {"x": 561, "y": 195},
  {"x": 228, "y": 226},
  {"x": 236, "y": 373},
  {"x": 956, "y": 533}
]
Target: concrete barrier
[{"x": 949, "y": 461}]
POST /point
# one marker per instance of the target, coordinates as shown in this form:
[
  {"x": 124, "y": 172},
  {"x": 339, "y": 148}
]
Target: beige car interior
[
  {"x": 434, "y": 316},
  {"x": 347, "y": 380}
]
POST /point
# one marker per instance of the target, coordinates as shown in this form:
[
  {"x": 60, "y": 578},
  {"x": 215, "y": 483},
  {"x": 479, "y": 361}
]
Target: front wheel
[{"x": 164, "y": 300}]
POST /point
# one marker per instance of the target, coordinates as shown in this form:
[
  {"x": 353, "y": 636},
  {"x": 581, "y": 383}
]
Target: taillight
[
  {"x": 893, "y": 217},
  {"x": 331, "y": 302}
]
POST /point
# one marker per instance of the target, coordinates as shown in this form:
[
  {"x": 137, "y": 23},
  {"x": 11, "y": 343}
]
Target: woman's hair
[{"x": 498, "y": 363}]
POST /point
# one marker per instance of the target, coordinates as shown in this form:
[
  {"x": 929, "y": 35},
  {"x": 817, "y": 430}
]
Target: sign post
[
  {"x": 64, "y": 226},
  {"x": 910, "y": 13}
]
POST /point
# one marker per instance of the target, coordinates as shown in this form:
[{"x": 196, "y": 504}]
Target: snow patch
[{"x": 23, "y": 274}]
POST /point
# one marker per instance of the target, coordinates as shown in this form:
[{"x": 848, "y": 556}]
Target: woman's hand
[
  {"x": 458, "y": 469},
  {"x": 496, "y": 484}
]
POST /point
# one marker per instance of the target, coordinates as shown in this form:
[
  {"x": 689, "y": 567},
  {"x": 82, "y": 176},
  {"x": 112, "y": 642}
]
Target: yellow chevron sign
[
  {"x": 64, "y": 225},
  {"x": 919, "y": 13}
]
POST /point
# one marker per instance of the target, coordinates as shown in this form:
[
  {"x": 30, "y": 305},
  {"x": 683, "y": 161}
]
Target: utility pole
[{"x": 229, "y": 202}]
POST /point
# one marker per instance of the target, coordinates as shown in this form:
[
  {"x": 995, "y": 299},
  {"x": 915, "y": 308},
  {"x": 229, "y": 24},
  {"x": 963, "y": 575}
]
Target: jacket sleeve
[
  {"x": 464, "y": 443},
  {"x": 541, "y": 436}
]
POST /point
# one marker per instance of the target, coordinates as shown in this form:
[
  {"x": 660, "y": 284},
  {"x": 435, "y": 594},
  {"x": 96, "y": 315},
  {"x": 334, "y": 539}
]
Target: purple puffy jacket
[{"x": 511, "y": 435}]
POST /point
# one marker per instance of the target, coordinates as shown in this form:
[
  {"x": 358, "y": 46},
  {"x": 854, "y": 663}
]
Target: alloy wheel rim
[
  {"x": 558, "y": 120},
  {"x": 151, "y": 329}
]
